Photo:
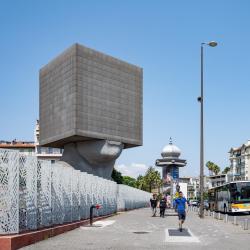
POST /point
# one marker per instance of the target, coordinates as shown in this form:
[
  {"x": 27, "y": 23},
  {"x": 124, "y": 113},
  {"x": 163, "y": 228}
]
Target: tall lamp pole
[{"x": 201, "y": 99}]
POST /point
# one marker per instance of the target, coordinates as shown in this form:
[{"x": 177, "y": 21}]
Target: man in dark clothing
[
  {"x": 163, "y": 205},
  {"x": 153, "y": 203},
  {"x": 225, "y": 207},
  {"x": 181, "y": 204}
]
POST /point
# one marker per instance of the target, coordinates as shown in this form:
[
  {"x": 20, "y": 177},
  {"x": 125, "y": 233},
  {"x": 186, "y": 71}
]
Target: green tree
[
  {"x": 210, "y": 166},
  {"x": 127, "y": 180},
  {"x": 140, "y": 183},
  {"x": 117, "y": 176},
  {"x": 152, "y": 179},
  {"x": 159, "y": 183},
  {"x": 213, "y": 167},
  {"x": 216, "y": 169},
  {"x": 226, "y": 170},
  {"x": 205, "y": 195}
]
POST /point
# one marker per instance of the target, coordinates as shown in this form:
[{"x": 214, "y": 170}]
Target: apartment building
[
  {"x": 240, "y": 162},
  {"x": 33, "y": 147}
]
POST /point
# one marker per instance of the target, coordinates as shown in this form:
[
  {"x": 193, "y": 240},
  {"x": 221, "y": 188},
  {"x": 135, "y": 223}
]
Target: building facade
[
  {"x": 216, "y": 180},
  {"x": 193, "y": 185},
  {"x": 45, "y": 153},
  {"x": 24, "y": 147},
  {"x": 90, "y": 104},
  {"x": 33, "y": 147},
  {"x": 91, "y": 96},
  {"x": 240, "y": 162}
]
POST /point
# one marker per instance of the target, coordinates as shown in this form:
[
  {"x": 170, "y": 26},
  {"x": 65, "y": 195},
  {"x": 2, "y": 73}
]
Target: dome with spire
[{"x": 171, "y": 150}]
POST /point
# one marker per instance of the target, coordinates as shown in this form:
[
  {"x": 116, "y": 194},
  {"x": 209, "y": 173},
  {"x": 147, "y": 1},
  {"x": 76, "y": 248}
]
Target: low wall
[
  {"x": 36, "y": 194},
  {"x": 131, "y": 198}
]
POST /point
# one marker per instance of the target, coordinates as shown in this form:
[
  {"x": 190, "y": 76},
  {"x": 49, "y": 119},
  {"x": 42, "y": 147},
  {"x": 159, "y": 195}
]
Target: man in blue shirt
[{"x": 181, "y": 204}]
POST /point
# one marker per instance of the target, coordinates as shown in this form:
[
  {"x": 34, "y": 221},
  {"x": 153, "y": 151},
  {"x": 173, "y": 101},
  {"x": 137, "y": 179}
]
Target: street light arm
[{"x": 211, "y": 44}]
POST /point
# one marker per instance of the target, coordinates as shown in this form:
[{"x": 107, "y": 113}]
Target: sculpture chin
[{"x": 94, "y": 157}]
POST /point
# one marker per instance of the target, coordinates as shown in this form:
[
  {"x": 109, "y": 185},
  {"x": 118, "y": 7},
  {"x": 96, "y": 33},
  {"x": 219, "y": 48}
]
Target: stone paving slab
[
  {"x": 174, "y": 235},
  {"x": 176, "y": 232}
]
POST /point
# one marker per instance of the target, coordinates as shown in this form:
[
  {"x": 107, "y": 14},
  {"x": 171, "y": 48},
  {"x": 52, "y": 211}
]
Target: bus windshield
[{"x": 240, "y": 191}]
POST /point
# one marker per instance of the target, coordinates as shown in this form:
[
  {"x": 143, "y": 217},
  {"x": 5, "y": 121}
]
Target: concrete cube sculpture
[{"x": 91, "y": 105}]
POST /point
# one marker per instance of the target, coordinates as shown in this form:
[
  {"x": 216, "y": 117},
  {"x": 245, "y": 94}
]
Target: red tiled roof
[{"x": 17, "y": 145}]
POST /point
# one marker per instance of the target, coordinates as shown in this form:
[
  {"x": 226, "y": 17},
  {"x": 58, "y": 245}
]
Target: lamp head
[{"x": 212, "y": 44}]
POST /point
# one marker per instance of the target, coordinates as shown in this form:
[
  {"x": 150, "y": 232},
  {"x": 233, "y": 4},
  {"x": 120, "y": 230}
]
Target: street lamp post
[{"x": 201, "y": 99}]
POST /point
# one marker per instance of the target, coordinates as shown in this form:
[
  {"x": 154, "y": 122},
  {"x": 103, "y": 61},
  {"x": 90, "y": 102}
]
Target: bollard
[
  {"x": 245, "y": 226},
  {"x": 219, "y": 216},
  {"x": 226, "y": 218},
  {"x": 97, "y": 206},
  {"x": 213, "y": 214},
  {"x": 235, "y": 220}
]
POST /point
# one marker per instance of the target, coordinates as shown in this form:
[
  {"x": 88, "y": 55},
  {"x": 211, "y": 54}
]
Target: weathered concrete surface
[
  {"x": 85, "y": 95},
  {"x": 211, "y": 234},
  {"x": 95, "y": 157}
]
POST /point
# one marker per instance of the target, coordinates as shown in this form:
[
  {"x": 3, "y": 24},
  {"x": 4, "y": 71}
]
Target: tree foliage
[
  {"x": 140, "y": 183},
  {"x": 117, "y": 176},
  {"x": 130, "y": 181},
  {"x": 152, "y": 179},
  {"x": 148, "y": 182},
  {"x": 213, "y": 167},
  {"x": 226, "y": 170}
]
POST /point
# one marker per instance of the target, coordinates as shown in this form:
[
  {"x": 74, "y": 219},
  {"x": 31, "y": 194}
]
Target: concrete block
[{"x": 85, "y": 94}]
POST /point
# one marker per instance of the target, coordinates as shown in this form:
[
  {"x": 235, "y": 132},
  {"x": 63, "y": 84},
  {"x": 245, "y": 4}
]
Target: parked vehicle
[
  {"x": 194, "y": 203},
  {"x": 231, "y": 197}
]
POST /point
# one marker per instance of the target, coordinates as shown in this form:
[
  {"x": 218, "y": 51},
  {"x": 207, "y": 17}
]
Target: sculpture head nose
[{"x": 100, "y": 151}]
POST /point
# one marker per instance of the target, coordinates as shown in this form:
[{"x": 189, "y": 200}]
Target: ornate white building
[
  {"x": 170, "y": 162},
  {"x": 240, "y": 162}
]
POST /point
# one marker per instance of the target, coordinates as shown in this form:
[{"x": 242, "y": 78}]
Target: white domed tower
[{"x": 170, "y": 162}]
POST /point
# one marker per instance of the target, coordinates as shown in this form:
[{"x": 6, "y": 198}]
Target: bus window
[
  {"x": 243, "y": 189},
  {"x": 211, "y": 195},
  {"x": 235, "y": 195}
]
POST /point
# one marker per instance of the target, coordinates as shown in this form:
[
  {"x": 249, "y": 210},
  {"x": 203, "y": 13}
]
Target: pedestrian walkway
[{"x": 138, "y": 230}]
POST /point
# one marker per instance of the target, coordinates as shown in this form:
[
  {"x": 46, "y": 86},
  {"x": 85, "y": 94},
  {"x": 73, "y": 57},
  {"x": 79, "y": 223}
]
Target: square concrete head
[{"x": 87, "y": 95}]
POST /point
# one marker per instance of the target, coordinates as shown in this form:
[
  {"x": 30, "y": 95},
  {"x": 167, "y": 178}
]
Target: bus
[{"x": 231, "y": 197}]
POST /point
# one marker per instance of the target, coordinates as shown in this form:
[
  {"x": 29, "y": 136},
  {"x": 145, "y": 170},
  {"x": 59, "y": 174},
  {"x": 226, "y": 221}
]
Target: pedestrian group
[{"x": 179, "y": 204}]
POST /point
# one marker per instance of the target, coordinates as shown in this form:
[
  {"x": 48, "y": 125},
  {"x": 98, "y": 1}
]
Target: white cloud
[{"x": 132, "y": 170}]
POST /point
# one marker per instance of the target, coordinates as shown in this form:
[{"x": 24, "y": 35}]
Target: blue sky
[{"x": 164, "y": 38}]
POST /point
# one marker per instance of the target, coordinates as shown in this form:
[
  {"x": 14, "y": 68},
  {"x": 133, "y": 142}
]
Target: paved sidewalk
[{"x": 138, "y": 230}]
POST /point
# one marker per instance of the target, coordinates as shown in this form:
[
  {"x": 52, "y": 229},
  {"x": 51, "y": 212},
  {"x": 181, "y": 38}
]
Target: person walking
[
  {"x": 225, "y": 207},
  {"x": 163, "y": 205},
  {"x": 153, "y": 203},
  {"x": 181, "y": 205}
]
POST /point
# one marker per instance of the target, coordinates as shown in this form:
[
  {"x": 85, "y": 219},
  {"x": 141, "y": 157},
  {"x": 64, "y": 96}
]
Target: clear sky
[{"x": 164, "y": 38}]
